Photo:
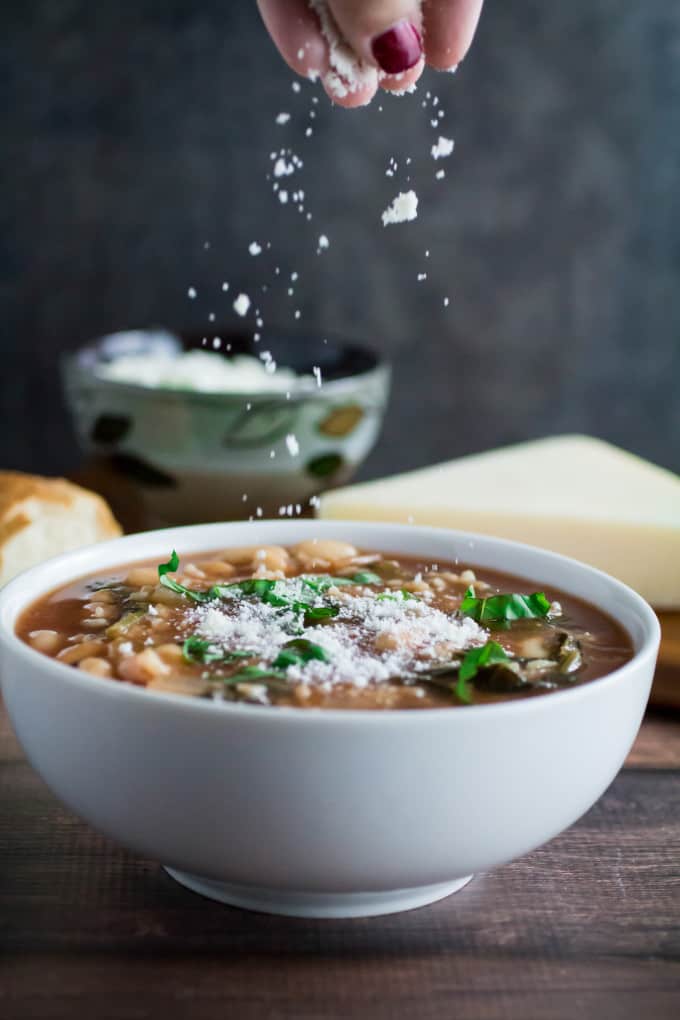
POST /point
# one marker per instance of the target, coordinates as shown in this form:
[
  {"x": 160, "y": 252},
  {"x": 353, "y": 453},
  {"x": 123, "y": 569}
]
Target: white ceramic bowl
[{"x": 325, "y": 813}]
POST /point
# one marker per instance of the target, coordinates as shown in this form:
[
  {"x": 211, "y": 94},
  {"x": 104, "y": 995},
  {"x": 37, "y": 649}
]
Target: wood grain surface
[
  {"x": 587, "y": 926},
  {"x": 666, "y": 689}
]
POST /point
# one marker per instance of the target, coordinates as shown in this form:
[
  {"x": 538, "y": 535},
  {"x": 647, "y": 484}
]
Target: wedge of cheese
[{"x": 572, "y": 494}]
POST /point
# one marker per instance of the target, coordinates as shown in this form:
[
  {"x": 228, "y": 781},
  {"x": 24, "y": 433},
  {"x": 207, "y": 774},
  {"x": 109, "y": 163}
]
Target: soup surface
[{"x": 325, "y": 625}]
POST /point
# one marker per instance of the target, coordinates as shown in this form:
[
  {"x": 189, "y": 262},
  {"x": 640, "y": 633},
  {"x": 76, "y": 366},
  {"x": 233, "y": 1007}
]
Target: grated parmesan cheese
[
  {"x": 203, "y": 371},
  {"x": 282, "y": 168},
  {"x": 347, "y": 72},
  {"x": 403, "y": 208},
  {"x": 242, "y": 304},
  {"x": 292, "y": 444},
  {"x": 443, "y": 148},
  {"x": 371, "y": 639}
]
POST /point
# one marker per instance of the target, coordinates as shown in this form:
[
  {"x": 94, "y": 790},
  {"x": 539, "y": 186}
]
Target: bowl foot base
[{"x": 304, "y": 904}]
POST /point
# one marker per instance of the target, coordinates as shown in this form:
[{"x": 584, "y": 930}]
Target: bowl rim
[{"x": 14, "y": 600}]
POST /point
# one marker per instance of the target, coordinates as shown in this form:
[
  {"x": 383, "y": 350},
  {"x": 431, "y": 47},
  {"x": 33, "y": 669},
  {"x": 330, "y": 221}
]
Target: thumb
[{"x": 382, "y": 32}]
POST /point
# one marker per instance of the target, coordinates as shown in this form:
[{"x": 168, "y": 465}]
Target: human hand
[{"x": 389, "y": 41}]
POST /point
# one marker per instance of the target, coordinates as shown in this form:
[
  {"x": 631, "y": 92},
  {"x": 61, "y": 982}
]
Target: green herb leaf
[
  {"x": 498, "y": 608},
  {"x": 169, "y": 567},
  {"x": 263, "y": 588},
  {"x": 313, "y": 613},
  {"x": 298, "y": 652},
  {"x": 366, "y": 577},
  {"x": 254, "y": 673},
  {"x": 260, "y": 586},
  {"x": 461, "y": 689},
  {"x": 166, "y": 568},
  {"x": 270, "y": 592},
  {"x": 475, "y": 660},
  {"x": 196, "y": 649},
  {"x": 323, "y": 582}
]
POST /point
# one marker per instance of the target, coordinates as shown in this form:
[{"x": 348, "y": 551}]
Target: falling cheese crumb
[
  {"x": 254, "y": 248},
  {"x": 323, "y": 242},
  {"x": 443, "y": 148},
  {"x": 242, "y": 304},
  {"x": 191, "y": 293},
  {"x": 403, "y": 208},
  {"x": 283, "y": 169},
  {"x": 282, "y": 118},
  {"x": 292, "y": 444}
]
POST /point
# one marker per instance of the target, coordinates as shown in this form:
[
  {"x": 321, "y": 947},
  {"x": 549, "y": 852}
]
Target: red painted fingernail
[{"x": 399, "y": 48}]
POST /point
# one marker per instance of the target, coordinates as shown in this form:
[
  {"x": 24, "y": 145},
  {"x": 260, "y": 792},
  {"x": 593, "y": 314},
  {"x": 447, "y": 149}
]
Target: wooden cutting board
[{"x": 666, "y": 688}]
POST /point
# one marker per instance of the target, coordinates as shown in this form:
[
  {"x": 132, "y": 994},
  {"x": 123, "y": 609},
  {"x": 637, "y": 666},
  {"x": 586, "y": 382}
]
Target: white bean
[
  {"x": 96, "y": 666},
  {"x": 324, "y": 553},
  {"x": 139, "y": 576},
  {"x": 47, "y": 641},
  {"x": 273, "y": 557},
  {"x": 84, "y": 650},
  {"x": 143, "y": 667}
]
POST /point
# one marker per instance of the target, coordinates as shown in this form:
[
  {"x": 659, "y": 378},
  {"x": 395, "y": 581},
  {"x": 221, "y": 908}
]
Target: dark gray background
[{"x": 135, "y": 133}]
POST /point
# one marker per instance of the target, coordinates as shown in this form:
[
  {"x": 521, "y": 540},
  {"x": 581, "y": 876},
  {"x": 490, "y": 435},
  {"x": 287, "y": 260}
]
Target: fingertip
[
  {"x": 447, "y": 60},
  {"x": 341, "y": 96},
  {"x": 295, "y": 33},
  {"x": 446, "y": 53},
  {"x": 404, "y": 82},
  {"x": 310, "y": 59},
  {"x": 448, "y": 31}
]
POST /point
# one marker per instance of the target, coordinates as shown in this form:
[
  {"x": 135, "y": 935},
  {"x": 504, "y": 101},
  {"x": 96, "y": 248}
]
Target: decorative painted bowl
[
  {"x": 325, "y": 813},
  {"x": 187, "y": 456}
]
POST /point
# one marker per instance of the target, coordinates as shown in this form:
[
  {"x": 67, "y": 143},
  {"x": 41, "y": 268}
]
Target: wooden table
[{"x": 585, "y": 927}]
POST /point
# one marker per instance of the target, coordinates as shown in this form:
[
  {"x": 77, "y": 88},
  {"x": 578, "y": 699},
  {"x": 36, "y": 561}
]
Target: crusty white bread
[{"x": 42, "y": 517}]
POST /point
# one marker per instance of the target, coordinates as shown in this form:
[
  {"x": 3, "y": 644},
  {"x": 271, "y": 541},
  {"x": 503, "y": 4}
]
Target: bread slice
[{"x": 42, "y": 517}]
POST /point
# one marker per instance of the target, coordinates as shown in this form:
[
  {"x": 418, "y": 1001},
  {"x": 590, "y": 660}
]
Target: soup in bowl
[{"x": 325, "y": 719}]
